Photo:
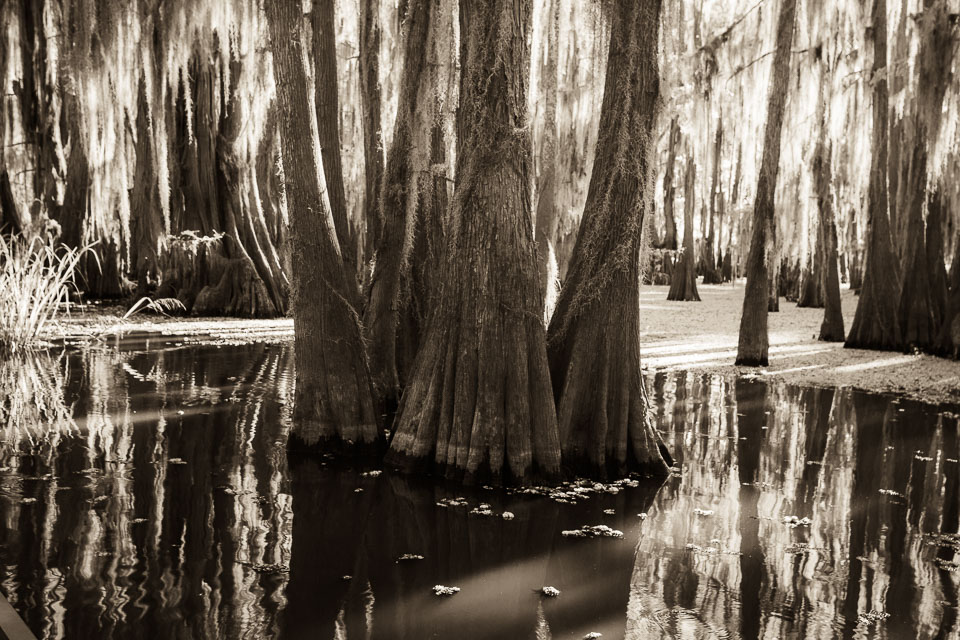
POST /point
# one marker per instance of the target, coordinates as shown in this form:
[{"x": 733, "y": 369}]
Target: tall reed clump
[{"x": 35, "y": 280}]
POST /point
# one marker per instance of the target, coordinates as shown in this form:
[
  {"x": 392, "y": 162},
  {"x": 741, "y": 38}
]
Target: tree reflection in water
[{"x": 146, "y": 491}]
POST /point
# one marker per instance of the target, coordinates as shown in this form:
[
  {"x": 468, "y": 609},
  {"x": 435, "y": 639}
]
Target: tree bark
[
  {"x": 670, "y": 238},
  {"x": 334, "y": 401},
  {"x": 400, "y": 202},
  {"x": 548, "y": 215},
  {"x": 754, "y": 341},
  {"x": 147, "y": 220},
  {"x": 876, "y": 325},
  {"x": 948, "y": 342},
  {"x": 328, "y": 124},
  {"x": 915, "y": 311},
  {"x": 370, "y": 98},
  {"x": 594, "y": 337},
  {"x": 831, "y": 329},
  {"x": 479, "y": 404},
  {"x": 711, "y": 275},
  {"x": 683, "y": 283}
]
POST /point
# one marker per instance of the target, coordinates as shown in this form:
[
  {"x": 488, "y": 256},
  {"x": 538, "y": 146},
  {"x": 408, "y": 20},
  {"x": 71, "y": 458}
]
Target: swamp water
[{"x": 145, "y": 492}]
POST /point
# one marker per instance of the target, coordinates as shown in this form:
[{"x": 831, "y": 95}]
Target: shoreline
[{"x": 700, "y": 337}]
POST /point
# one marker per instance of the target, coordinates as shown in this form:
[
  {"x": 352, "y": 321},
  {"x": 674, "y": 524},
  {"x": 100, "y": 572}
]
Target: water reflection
[{"x": 146, "y": 491}]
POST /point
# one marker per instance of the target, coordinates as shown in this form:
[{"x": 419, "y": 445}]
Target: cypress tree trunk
[
  {"x": 670, "y": 238},
  {"x": 40, "y": 110},
  {"x": 876, "y": 325},
  {"x": 328, "y": 124},
  {"x": 602, "y": 406},
  {"x": 948, "y": 342},
  {"x": 254, "y": 283},
  {"x": 754, "y": 341},
  {"x": 147, "y": 220},
  {"x": 935, "y": 258},
  {"x": 547, "y": 213},
  {"x": 400, "y": 205},
  {"x": 811, "y": 277},
  {"x": 334, "y": 400},
  {"x": 420, "y": 282},
  {"x": 479, "y": 403},
  {"x": 711, "y": 274},
  {"x": 915, "y": 311},
  {"x": 372, "y": 126},
  {"x": 831, "y": 329},
  {"x": 683, "y": 283}
]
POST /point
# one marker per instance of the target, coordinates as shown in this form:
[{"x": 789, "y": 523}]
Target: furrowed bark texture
[
  {"x": 334, "y": 401},
  {"x": 915, "y": 311},
  {"x": 683, "y": 283},
  {"x": 328, "y": 126},
  {"x": 754, "y": 341},
  {"x": 594, "y": 345},
  {"x": 370, "y": 97},
  {"x": 399, "y": 210},
  {"x": 876, "y": 325},
  {"x": 479, "y": 404}
]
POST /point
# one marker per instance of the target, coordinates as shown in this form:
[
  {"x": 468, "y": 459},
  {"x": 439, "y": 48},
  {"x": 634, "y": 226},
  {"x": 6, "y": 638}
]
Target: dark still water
[{"x": 145, "y": 492}]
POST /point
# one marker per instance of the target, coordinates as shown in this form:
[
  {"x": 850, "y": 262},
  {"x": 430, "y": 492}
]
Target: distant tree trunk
[
  {"x": 831, "y": 329},
  {"x": 670, "y": 239},
  {"x": 548, "y": 215},
  {"x": 811, "y": 277},
  {"x": 99, "y": 275},
  {"x": 148, "y": 226},
  {"x": 254, "y": 283},
  {"x": 777, "y": 269},
  {"x": 334, "y": 400},
  {"x": 876, "y": 325},
  {"x": 372, "y": 127},
  {"x": 594, "y": 343},
  {"x": 400, "y": 206},
  {"x": 916, "y": 308},
  {"x": 710, "y": 273},
  {"x": 754, "y": 341},
  {"x": 683, "y": 283},
  {"x": 855, "y": 268},
  {"x": 222, "y": 256},
  {"x": 935, "y": 258},
  {"x": 479, "y": 403},
  {"x": 328, "y": 123}
]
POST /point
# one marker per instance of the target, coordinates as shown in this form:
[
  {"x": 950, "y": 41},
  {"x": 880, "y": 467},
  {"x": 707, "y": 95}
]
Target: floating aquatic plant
[{"x": 596, "y": 531}]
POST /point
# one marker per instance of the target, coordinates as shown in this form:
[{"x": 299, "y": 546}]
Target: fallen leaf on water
[
  {"x": 441, "y": 590},
  {"x": 409, "y": 556}
]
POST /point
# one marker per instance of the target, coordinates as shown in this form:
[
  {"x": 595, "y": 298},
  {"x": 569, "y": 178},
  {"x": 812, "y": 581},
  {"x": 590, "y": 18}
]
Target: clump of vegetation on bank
[{"x": 36, "y": 277}]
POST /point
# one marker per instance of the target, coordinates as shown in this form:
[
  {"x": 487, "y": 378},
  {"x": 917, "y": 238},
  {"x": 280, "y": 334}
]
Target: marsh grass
[{"x": 35, "y": 282}]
